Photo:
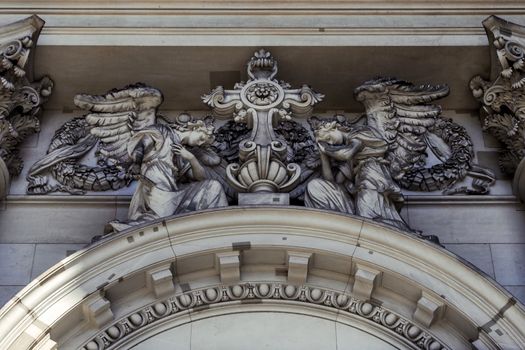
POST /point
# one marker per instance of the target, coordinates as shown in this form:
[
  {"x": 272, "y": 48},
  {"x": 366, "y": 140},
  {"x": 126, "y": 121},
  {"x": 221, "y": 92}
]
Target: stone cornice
[
  {"x": 269, "y": 5},
  {"x": 124, "y": 200},
  {"x": 273, "y": 23}
]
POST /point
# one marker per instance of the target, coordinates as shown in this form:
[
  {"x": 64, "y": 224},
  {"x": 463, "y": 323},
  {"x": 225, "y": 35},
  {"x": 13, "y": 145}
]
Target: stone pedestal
[{"x": 264, "y": 199}]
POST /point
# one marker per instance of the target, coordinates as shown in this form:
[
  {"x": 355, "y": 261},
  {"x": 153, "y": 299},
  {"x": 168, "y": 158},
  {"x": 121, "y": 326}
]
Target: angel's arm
[
  {"x": 197, "y": 170},
  {"x": 326, "y": 166},
  {"x": 347, "y": 153}
]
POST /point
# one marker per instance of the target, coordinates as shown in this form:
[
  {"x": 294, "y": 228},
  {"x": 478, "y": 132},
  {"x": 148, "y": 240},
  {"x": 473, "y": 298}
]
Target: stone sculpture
[
  {"x": 361, "y": 172},
  {"x": 503, "y": 96},
  {"x": 186, "y": 165},
  {"x": 133, "y": 144},
  {"x": 172, "y": 179},
  {"x": 21, "y": 98},
  {"x": 364, "y": 167},
  {"x": 261, "y": 103}
]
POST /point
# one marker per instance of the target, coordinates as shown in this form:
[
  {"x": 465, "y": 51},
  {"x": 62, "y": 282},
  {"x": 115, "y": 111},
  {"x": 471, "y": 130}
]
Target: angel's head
[
  {"x": 197, "y": 133},
  {"x": 329, "y": 132}
]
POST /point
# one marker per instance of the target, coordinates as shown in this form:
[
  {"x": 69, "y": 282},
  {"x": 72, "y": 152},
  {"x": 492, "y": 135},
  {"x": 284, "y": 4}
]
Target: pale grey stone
[
  {"x": 15, "y": 263},
  {"x": 47, "y": 255},
  {"x": 68, "y": 222},
  {"x": 264, "y": 198},
  {"x": 509, "y": 263},
  {"x": 470, "y": 223},
  {"x": 8, "y": 292},
  {"x": 478, "y": 255}
]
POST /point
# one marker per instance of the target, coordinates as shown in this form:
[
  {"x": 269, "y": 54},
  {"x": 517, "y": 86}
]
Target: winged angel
[
  {"x": 363, "y": 167},
  {"x": 173, "y": 163}
]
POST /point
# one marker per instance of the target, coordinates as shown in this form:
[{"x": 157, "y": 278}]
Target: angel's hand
[
  {"x": 344, "y": 154},
  {"x": 181, "y": 151},
  {"x": 322, "y": 149}
]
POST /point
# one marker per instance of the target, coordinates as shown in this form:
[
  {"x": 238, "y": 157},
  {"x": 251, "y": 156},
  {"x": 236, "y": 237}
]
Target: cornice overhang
[
  {"x": 269, "y": 23},
  {"x": 236, "y": 249}
]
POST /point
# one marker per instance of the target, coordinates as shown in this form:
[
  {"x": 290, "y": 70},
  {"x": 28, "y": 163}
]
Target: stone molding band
[
  {"x": 418, "y": 281},
  {"x": 113, "y": 335}
]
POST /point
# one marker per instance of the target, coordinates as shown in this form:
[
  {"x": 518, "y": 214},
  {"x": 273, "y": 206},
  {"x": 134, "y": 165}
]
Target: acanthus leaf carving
[
  {"x": 20, "y": 97},
  {"x": 503, "y": 96}
]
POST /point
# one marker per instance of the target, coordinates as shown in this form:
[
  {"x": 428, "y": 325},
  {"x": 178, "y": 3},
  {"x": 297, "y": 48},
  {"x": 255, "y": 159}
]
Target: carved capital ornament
[{"x": 21, "y": 97}]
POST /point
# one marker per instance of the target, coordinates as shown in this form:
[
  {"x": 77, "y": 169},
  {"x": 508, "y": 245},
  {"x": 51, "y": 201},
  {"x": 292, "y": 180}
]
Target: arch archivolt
[{"x": 391, "y": 284}]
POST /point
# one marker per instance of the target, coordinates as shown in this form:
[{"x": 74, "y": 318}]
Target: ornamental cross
[{"x": 260, "y": 103}]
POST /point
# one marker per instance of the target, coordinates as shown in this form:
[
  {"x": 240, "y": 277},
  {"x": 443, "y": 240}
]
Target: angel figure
[
  {"x": 117, "y": 120},
  {"x": 172, "y": 180},
  {"x": 355, "y": 175}
]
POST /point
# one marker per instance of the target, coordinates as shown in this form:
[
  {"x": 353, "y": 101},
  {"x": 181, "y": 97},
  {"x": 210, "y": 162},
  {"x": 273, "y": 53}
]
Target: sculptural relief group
[{"x": 270, "y": 142}]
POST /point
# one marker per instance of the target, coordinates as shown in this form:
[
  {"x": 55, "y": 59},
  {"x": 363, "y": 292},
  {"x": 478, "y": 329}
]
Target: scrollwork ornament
[
  {"x": 503, "y": 96},
  {"x": 262, "y": 102},
  {"x": 21, "y": 99}
]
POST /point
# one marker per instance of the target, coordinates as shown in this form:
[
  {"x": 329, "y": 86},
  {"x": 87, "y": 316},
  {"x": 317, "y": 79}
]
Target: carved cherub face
[
  {"x": 330, "y": 134},
  {"x": 198, "y": 138},
  {"x": 199, "y": 134}
]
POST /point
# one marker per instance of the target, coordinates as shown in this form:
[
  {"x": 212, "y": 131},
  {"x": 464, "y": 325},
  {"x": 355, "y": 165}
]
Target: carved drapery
[
  {"x": 503, "y": 95},
  {"x": 265, "y": 151},
  {"x": 21, "y": 97}
]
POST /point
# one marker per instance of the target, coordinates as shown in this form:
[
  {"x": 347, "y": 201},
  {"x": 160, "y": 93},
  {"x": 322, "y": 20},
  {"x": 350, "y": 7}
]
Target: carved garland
[{"x": 112, "y": 335}]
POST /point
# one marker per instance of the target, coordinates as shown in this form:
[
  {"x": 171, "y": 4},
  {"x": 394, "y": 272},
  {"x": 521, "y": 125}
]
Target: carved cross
[{"x": 261, "y": 102}]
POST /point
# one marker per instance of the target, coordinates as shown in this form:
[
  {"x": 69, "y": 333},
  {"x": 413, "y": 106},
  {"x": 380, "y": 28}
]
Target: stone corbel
[
  {"x": 298, "y": 267},
  {"x": 21, "y": 97},
  {"x": 160, "y": 281},
  {"x": 229, "y": 265},
  {"x": 503, "y": 95},
  {"x": 97, "y": 311},
  {"x": 429, "y": 309},
  {"x": 365, "y": 281}
]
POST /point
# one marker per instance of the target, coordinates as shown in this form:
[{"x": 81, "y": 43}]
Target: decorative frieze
[
  {"x": 21, "y": 97},
  {"x": 110, "y": 336},
  {"x": 265, "y": 153}
]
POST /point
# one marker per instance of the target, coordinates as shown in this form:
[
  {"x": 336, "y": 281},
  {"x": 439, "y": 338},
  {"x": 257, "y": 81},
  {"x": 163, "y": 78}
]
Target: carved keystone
[
  {"x": 97, "y": 311},
  {"x": 160, "y": 281},
  {"x": 298, "y": 267},
  {"x": 365, "y": 280},
  {"x": 429, "y": 309},
  {"x": 229, "y": 267}
]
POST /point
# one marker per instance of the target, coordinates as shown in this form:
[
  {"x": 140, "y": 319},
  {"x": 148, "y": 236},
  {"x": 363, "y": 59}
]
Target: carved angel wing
[
  {"x": 404, "y": 116},
  {"x": 401, "y": 112},
  {"x": 116, "y": 115}
]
